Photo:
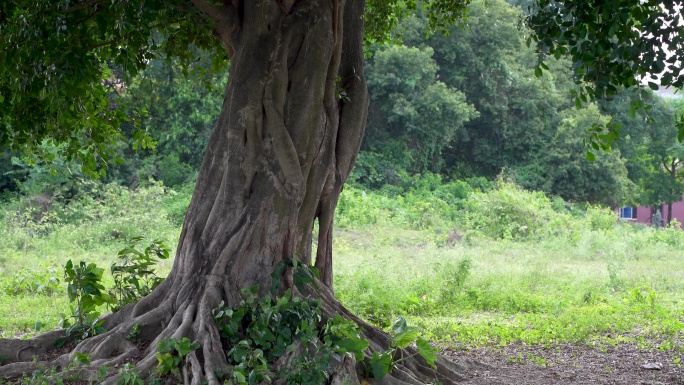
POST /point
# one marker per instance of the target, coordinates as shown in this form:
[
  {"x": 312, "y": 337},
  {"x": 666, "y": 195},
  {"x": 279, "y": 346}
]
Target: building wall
[
  {"x": 677, "y": 212},
  {"x": 644, "y": 214}
]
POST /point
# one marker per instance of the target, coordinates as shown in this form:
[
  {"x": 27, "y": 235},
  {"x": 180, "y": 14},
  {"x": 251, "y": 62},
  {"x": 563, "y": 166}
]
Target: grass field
[{"x": 596, "y": 283}]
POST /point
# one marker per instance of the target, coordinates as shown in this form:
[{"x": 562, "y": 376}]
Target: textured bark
[{"x": 276, "y": 163}]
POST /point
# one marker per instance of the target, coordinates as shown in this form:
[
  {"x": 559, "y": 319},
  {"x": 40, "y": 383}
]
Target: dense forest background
[{"x": 465, "y": 107}]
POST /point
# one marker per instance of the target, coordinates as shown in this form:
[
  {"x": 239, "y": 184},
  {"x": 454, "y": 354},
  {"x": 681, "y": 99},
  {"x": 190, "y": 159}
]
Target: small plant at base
[
  {"x": 170, "y": 354},
  {"x": 43, "y": 377},
  {"x": 86, "y": 289},
  {"x": 133, "y": 275},
  {"x": 403, "y": 336},
  {"x": 129, "y": 375},
  {"x": 80, "y": 358},
  {"x": 262, "y": 331},
  {"x": 134, "y": 334}
]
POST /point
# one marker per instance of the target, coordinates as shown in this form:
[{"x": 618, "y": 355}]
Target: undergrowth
[{"x": 471, "y": 264}]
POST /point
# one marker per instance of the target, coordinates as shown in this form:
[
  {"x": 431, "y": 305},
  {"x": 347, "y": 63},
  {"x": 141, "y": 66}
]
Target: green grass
[
  {"x": 541, "y": 292},
  {"x": 587, "y": 281}
]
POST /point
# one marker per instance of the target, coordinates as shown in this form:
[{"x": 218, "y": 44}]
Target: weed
[
  {"x": 134, "y": 334},
  {"x": 86, "y": 289},
  {"x": 134, "y": 276},
  {"x": 452, "y": 278},
  {"x": 129, "y": 375},
  {"x": 33, "y": 282},
  {"x": 402, "y": 336},
  {"x": 170, "y": 354}
]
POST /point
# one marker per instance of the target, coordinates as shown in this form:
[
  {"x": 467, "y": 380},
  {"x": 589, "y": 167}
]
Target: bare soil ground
[{"x": 572, "y": 364}]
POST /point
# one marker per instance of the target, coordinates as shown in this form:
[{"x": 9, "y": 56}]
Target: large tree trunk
[{"x": 277, "y": 159}]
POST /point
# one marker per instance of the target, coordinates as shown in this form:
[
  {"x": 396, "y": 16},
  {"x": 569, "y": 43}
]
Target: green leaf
[
  {"x": 166, "y": 345},
  {"x": 399, "y": 325},
  {"x": 538, "y": 72},
  {"x": 381, "y": 364},
  {"x": 164, "y": 363},
  {"x": 356, "y": 346},
  {"x": 427, "y": 351},
  {"x": 406, "y": 337},
  {"x": 239, "y": 377},
  {"x": 590, "y": 156},
  {"x": 653, "y": 86},
  {"x": 184, "y": 346}
]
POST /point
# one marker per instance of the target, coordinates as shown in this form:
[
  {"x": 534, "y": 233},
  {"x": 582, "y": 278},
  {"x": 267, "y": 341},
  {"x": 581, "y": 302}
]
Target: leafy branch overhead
[
  {"x": 613, "y": 45},
  {"x": 61, "y": 62}
]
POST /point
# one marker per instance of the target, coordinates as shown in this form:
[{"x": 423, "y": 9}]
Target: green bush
[
  {"x": 509, "y": 212},
  {"x": 601, "y": 219}
]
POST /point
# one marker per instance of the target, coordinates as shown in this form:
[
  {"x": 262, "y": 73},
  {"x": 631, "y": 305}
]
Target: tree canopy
[{"x": 613, "y": 45}]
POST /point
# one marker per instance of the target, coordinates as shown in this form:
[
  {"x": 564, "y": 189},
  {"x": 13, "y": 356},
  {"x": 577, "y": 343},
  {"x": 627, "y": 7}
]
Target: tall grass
[{"x": 471, "y": 265}]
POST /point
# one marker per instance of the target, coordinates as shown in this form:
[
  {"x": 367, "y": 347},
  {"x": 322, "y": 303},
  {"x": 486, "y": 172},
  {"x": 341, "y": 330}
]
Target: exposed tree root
[{"x": 193, "y": 319}]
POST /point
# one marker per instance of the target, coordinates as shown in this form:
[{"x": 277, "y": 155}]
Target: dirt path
[{"x": 573, "y": 364}]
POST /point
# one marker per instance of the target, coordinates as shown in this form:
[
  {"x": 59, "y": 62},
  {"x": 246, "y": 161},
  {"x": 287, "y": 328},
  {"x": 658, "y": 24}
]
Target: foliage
[
  {"x": 134, "y": 276},
  {"x": 487, "y": 61},
  {"x": 46, "y": 94},
  {"x": 86, "y": 289},
  {"x": 649, "y": 142},
  {"x": 543, "y": 290},
  {"x": 612, "y": 53},
  {"x": 413, "y": 116},
  {"x": 508, "y": 212},
  {"x": 170, "y": 354},
  {"x": 133, "y": 279},
  {"x": 452, "y": 277},
  {"x": 402, "y": 336},
  {"x": 33, "y": 282},
  {"x": 261, "y": 331},
  {"x": 129, "y": 375},
  {"x": 182, "y": 106},
  {"x": 563, "y": 169}
]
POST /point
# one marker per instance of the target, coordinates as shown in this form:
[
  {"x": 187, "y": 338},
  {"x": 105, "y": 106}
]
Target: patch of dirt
[{"x": 561, "y": 364}]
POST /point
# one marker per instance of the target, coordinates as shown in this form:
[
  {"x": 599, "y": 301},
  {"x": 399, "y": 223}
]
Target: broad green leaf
[
  {"x": 184, "y": 346},
  {"x": 406, "y": 337},
  {"x": 399, "y": 325},
  {"x": 356, "y": 346},
  {"x": 427, "y": 351},
  {"x": 166, "y": 345},
  {"x": 381, "y": 364}
]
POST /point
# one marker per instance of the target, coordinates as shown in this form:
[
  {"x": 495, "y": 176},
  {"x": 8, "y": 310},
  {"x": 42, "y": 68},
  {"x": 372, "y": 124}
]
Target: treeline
[
  {"x": 469, "y": 105},
  {"x": 461, "y": 106}
]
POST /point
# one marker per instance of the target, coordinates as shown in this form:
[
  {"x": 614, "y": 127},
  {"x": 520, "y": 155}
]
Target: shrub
[
  {"x": 601, "y": 219},
  {"x": 510, "y": 212}
]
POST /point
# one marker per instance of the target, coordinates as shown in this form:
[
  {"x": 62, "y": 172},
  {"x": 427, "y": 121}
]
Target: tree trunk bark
[{"x": 284, "y": 144}]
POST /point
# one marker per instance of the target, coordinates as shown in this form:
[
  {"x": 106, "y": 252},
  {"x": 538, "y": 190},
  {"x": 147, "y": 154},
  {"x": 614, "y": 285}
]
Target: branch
[
  {"x": 226, "y": 19},
  {"x": 82, "y": 6}
]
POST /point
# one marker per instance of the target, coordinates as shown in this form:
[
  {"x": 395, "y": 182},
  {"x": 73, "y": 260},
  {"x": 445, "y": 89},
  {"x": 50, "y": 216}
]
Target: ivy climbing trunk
[{"x": 286, "y": 139}]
